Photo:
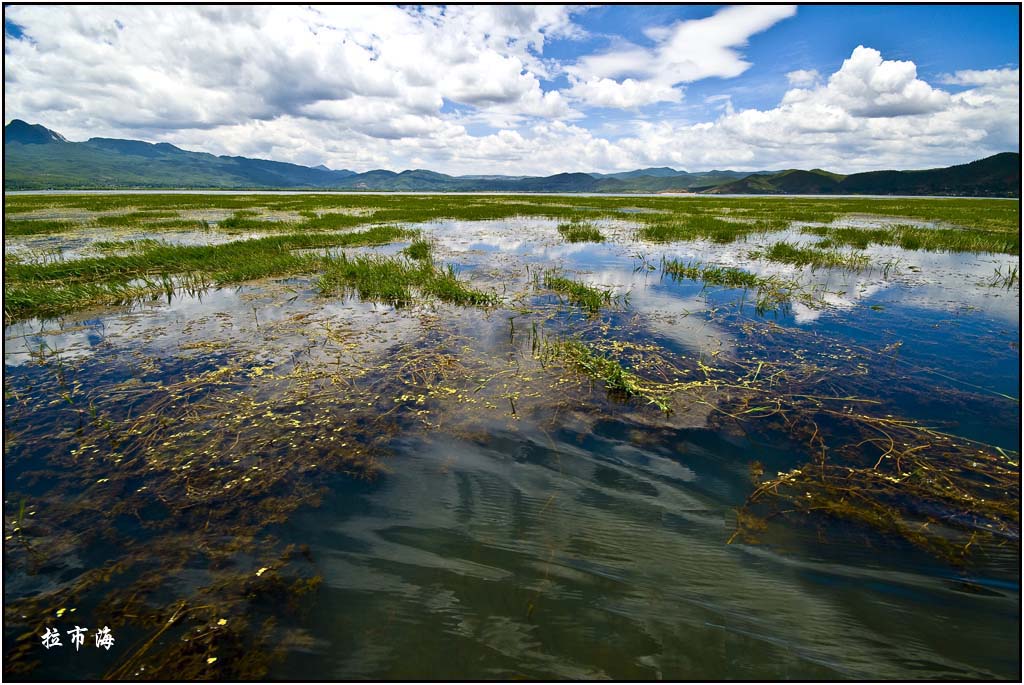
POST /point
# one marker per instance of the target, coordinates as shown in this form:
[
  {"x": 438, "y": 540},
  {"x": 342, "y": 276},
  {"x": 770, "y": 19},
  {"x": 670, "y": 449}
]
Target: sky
[{"x": 513, "y": 89}]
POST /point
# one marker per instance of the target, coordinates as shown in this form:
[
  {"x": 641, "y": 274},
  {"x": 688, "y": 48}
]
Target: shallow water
[{"x": 515, "y": 520}]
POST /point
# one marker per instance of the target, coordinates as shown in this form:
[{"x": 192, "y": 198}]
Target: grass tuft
[
  {"x": 418, "y": 249},
  {"x": 392, "y": 281},
  {"x": 586, "y": 296},
  {"x": 815, "y": 257},
  {"x": 579, "y": 231},
  {"x": 773, "y": 293},
  {"x": 918, "y": 238}
]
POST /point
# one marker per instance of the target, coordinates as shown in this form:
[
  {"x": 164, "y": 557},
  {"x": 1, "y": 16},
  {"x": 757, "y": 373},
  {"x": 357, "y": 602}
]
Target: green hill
[
  {"x": 995, "y": 176},
  {"x": 37, "y": 158}
]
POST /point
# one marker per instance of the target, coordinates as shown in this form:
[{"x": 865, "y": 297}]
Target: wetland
[{"x": 329, "y": 436}]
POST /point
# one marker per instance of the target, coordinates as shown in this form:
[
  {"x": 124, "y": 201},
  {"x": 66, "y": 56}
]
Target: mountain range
[{"x": 36, "y": 158}]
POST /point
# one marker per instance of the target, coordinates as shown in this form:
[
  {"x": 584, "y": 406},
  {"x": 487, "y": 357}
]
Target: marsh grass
[
  {"x": 393, "y": 281},
  {"x": 587, "y": 297},
  {"x": 711, "y": 274},
  {"x": 1006, "y": 280},
  {"x": 249, "y": 221},
  {"x": 815, "y": 257},
  {"x": 919, "y": 238},
  {"x": 43, "y": 300},
  {"x": 59, "y": 287},
  {"x": 18, "y": 227},
  {"x": 136, "y": 218},
  {"x": 701, "y": 226},
  {"x": 118, "y": 246},
  {"x": 418, "y": 249},
  {"x": 772, "y": 292},
  {"x": 579, "y": 231}
]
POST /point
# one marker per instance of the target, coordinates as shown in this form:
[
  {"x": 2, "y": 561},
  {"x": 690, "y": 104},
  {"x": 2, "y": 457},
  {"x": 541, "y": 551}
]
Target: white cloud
[
  {"x": 605, "y": 92},
  {"x": 106, "y": 69},
  {"x": 803, "y": 78},
  {"x": 867, "y": 85},
  {"x": 685, "y": 52},
  {"x": 986, "y": 77}
]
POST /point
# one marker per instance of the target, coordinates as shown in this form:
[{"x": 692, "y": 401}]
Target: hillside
[
  {"x": 36, "y": 157},
  {"x": 995, "y": 176}
]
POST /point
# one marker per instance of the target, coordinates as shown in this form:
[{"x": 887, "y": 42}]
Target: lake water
[{"x": 369, "y": 492}]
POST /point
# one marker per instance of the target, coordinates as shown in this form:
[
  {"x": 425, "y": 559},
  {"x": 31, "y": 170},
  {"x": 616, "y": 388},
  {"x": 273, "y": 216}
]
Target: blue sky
[{"x": 529, "y": 89}]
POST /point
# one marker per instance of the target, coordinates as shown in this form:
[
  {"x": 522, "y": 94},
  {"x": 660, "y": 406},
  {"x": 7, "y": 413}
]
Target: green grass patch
[
  {"x": 586, "y": 296},
  {"x": 393, "y": 281},
  {"x": 13, "y": 227},
  {"x": 772, "y": 292},
  {"x": 418, "y": 249},
  {"x": 815, "y": 257},
  {"x": 702, "y": 227},
  {"x": 918, "y": 238},
  {"x": 578, "y": 231},
  {"x": 53, "y": 288}
]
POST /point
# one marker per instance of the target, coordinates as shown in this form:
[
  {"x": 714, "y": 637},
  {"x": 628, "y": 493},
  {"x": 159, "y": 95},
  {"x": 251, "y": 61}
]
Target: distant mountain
[
  {"x": 995, "y": 176},
  {"x": 30, "y": 134},
  {"x": 37, "y": 158},
  {"x": 657, "y": 172}
]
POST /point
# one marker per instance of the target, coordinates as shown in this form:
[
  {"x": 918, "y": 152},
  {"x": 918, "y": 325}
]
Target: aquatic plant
[
  {"x": 787, "y": 253},
  {"x": 919, "y": 238},
  {"x": 391, "y": 280},
  {"x": 54, "y": 288},
  {"x": 588, "y": 297},
  {"x": 700, "y": 226},
  {"x": 583, "y": 358},
  {"x": 579, "y": 231},
  {"x": 1008, "y": 279},
  {"x": 418, "y": 249},
  {"x": 772, "y": 292}
]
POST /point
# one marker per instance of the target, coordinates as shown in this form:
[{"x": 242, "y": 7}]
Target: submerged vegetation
[{"x": 617, "y": 380}]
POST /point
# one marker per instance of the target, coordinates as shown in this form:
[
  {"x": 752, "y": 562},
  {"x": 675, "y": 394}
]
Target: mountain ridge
[{"x": 36, "y": 157}]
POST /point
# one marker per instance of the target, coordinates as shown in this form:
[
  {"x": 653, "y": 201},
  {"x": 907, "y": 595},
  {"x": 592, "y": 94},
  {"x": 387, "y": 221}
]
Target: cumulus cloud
[
  {"x": 871, "y": 114},
  {"x": 150, "y": 68},
  {"x": 867, "y": 85},
  {"x": 684, "y": 52}
]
